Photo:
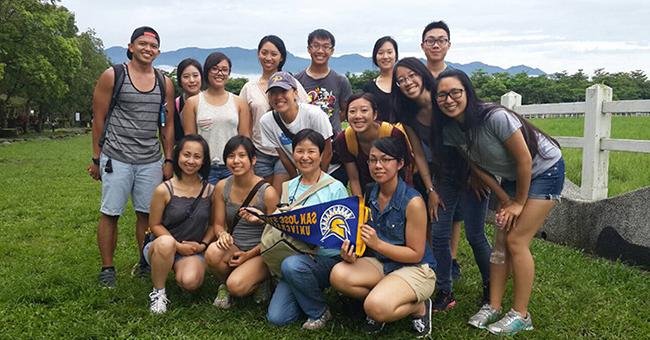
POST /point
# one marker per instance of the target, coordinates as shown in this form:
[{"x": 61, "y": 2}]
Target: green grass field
[
  {"x": 624, "y": 174},
  {"x": 49, "y": 263}
]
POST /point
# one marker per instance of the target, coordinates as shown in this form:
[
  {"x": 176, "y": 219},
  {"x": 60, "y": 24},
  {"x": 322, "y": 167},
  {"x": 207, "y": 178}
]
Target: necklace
[{"x": 292, "y": 197}]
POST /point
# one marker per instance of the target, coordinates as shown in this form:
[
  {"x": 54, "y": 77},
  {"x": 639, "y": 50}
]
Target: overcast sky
[{"x": 552, "y": 35}]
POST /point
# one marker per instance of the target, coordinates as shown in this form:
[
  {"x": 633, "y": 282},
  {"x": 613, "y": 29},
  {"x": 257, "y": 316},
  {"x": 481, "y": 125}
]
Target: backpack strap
[
  {"x": 351, "y": 141},
  {"x": 160, "y": 80},
  {"x": 385, "y": 129},
  {"x": 285, "y": 130},
  {"x": 119, "y": 71}
]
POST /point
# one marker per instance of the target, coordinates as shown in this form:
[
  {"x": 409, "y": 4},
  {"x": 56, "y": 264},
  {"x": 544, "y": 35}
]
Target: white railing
[{"x": 596, "y": 144}]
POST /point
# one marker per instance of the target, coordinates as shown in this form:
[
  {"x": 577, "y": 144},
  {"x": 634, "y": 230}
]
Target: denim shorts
[
  {"x": 545, "y": 186},
  {"x": 267, "y": 165},
  {"x": 217, "y": 173},
  {"x": 177, "y": 256},
  {"x": 137, "y": 180}
]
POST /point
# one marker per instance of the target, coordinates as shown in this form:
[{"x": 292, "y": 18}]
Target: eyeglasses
[
  {"x": 316, "y": 47},
  {"x": 215, "y": 70},
  {"x": 401, "y": 81},
  {"x": 383, "y": 161},
  {"x": 431, "y": 41},
  {"x": 453, "y": 93}
]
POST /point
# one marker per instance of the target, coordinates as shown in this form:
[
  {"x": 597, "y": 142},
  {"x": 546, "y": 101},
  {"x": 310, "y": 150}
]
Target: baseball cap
[
  {"x": 140, "y": 31},
  {"x": 283, "y": 80}
]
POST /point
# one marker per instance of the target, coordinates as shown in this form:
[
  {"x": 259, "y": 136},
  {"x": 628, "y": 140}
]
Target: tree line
[
  {"x": 48, "y": 69},
  {"x": 46, "y": 65}
]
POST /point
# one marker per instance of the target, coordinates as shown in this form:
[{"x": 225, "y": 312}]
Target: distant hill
[{"x": 245, "y": 61}]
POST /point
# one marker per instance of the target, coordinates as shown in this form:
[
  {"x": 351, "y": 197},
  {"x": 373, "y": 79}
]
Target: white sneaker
[{"x": 158, "y": 302}]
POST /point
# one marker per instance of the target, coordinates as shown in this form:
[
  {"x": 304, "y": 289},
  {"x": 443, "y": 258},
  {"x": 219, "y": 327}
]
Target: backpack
[
  {"x": 385, "y": 130},
  {"x": 120, "y": 73}
]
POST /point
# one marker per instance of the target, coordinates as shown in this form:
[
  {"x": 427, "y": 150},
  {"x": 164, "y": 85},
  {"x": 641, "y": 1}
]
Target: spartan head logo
[{"x": 333, "y": 222}]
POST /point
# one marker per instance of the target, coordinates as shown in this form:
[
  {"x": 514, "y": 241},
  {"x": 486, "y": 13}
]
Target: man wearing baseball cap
[
  {"x": 129, "y": 110},
  {"x": 287, "y": 117}
]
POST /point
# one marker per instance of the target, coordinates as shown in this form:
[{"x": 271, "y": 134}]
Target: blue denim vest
[{"x": 390, "y": 224}]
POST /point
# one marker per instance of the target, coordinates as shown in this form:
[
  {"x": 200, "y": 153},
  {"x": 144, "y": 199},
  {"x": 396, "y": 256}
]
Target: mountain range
[{"x": 245, "y": 61}]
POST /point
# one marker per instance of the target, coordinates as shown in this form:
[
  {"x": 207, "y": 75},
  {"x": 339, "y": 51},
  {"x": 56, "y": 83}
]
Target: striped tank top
[
  {"x": 217, "y": 124},
  {"x": 132, "y": 134}
]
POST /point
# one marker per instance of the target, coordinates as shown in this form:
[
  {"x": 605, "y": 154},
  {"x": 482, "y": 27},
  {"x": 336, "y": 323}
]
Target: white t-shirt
[
  {"x": 258, "y": 102},
  {"x": 308, "y": 117}
]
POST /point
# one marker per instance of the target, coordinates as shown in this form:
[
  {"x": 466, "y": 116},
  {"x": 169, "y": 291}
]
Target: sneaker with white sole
[
  {"x": 223, "y": 299},
  {"x": 512, "y": 323},
  {"x": 422, "y": 324},
  {"x": 372, "y": 327},
  {"x": 316, "y": 324},
  {"x": 158, "y": 302},
  {"x": 263, "y": 292},
  {"x": 485, "y": 316}
]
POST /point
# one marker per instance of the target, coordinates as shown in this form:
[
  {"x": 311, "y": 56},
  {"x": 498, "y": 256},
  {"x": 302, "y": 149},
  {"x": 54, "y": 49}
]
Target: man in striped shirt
[{"x": 126, "y": 142}]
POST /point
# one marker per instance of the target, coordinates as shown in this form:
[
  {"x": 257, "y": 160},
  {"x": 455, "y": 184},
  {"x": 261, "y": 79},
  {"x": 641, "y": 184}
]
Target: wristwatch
[
  {"x": 430, "y": 190},
  {"x": 167, "y": 160}
]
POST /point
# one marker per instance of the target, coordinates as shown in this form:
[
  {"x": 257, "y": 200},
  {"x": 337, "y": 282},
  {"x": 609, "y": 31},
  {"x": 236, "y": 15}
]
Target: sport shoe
[
  {"x": 372, "y": 327},
  {"x": 263, "y": 292},
  {"x": 223, "y": 299},
  {"x": 485, "y": 316},
  {"x": 455, "y": 270},
  {"x": 158, "y": 302},
  {"x": 319, "y": 323},
  {"x": 422, "y": 324},
  {"x": 511, "y": 324},
  {"x": 443, "y": 301},
  {"x": 107, "y": 278},
  {"x": 141, "y": 269}
]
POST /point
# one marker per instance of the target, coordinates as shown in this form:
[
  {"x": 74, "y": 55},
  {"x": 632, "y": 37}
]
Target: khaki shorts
[{"x": 420, "y": 278}]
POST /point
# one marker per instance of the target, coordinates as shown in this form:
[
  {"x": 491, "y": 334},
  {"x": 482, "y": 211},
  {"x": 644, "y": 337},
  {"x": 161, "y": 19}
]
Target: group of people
[{"x": 419, "y": 145}]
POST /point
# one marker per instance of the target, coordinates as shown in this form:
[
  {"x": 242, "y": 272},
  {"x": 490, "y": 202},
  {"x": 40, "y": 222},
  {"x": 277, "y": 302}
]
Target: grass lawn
[
  {"x": 49, "y": 263},
  {"x": 623, "y": 166}
]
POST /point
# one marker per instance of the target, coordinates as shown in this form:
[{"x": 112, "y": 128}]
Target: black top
[{"x": 383, "y": 101}]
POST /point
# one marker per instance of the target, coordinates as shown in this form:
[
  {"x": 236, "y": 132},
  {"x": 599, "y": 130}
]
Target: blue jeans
[
  {"x": 473, "y": 213},
  {"x": 300, "y": 291},
  {"x": 217, "y": 173}
]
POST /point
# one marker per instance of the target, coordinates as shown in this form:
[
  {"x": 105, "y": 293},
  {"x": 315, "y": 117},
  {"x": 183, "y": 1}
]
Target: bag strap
[
  {"x": 285, "y": 130},
  {"x": 351, "y": 141},
  {"x": 385, "y": 129},
  {"x": 119, "y": 70},
  {"x": 313, "y": 189},
  {"x": 190, "y": 211},
  {"x": 247, "y": 201}
]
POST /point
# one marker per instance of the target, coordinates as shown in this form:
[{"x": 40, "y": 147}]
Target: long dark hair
[
  {"x": 279, "y": 44},
  {"x": 184, "y": 64},
  {"x": 204, "y": 171},
  {"x": 477, "y": 112},
  {"x": 405, "y": 109}
]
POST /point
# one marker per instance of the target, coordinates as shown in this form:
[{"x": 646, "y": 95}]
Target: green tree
[{"x": 357, "y": 81}]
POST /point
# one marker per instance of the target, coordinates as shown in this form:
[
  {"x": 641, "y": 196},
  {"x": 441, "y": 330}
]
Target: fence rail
[{"x": 596, "y": 143}]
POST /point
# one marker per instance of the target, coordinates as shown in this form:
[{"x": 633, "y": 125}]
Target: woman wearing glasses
[
  {"x": 354, "y": 143},
  {"x": 384, "y": 56},
  {"x": 272, "y": 54},
  {"x": 413, "y": 98},
  {"x": 399, "y": 252},
  {"x": 499, "y": 142},
  {"x": 216, "y": 114}
]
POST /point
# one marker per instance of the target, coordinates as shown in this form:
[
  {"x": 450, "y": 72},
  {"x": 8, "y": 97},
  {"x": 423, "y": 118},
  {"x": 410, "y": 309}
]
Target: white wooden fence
[{"x": 595, "y": 144}]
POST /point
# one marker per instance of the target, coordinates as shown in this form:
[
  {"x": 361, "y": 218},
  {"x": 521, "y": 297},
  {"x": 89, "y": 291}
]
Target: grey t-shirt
[
  {"x": 489, "y": 151},
  {"x": 327, "y": 93}
]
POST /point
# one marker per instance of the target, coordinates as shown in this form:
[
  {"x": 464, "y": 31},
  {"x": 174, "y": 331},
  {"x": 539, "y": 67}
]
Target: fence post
[
  {"x": 511, "y": 99},
  {"x": 595, "y": 161}
]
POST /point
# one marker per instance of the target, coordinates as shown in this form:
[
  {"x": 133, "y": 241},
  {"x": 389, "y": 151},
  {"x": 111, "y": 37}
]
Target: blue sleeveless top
[{"x": 390, "y": 225}]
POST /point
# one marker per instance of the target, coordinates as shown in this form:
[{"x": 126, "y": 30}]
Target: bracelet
[
  {"x": 430, "y": 190},
  {"x": 167, "y": 160},
  {"x": 205, "y": 244},
  {"x": 96, "y": 161}
]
